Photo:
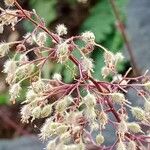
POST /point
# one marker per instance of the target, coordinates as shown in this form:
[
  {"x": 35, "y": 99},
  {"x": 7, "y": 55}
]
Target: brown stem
[{"x": 125, "y": 37}]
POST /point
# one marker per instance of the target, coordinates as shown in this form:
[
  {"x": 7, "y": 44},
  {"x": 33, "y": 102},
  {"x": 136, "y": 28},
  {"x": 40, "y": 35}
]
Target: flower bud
[
  {"x": 131, "y": 145},
  {"x": 88, "y": 37},
  {"x": 89, "y": 100},
  {"x": 36, "y": 112},
  {"x": 134, "y": 127},
  {"x": 118, "y": 98},
  {"x": 100, "y": 139},
  {"x": 46, "y": 111},
  {"x": 121, "y": 146},
  {"x": 138, "y": 113}
]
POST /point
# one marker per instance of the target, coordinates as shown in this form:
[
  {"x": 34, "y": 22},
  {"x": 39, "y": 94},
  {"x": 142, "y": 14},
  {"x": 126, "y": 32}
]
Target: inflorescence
[{"x": 73, "y": 111}]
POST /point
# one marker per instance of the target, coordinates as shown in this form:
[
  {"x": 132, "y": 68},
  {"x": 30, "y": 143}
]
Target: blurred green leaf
[{"x": 45, "y": 8}]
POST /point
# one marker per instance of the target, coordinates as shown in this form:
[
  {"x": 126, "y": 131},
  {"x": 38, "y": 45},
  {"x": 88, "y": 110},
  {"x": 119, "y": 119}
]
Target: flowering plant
[{"x": 71, "y": 116}]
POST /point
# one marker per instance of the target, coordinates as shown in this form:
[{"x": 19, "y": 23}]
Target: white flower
[
  {"x": 88, "y": 37},
  {"x": 57, "y": 77},
  {"x": 25, "y": 113},
  {"x": 41, "y": 38},
  {"x": 14, "y": 91},
  {"x": 118, "y": 98},
  {"x": 10, "y": 66},
  {"x": 119, "y": 57},
  {"x": 46, "y": 111},
  {"x": 4, "y": 49},
  {"x": 87, "y": 64},
  {"x": 61, "y": 29},
  {"x": 89, "y": 100},
  {"x": 122, "y": 127}
]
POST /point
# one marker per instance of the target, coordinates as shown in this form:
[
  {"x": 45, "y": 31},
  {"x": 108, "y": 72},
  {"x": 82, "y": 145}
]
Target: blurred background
[{"x": 119, "y": 25}]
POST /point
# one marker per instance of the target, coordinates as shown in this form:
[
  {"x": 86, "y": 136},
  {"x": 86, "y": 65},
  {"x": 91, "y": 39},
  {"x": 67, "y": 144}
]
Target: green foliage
[{"x": 45, "y": 8}]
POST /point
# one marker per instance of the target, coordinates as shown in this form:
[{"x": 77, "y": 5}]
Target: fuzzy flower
[
  {"x": 131, "y": 145},
  {"x": 102, "y": 119},
  {"x": 41, "y": 38},
  {"x": 122, "y": 128},
  {"x": 36, "y": 112},
  {"x": 100, "y": 139},
  {"x": 118, "y": 98},
  {"x": 57, "y": 77},
  {"x": 14, "y": 91},
  {"x": 121, "y": 146},
  {"x": 10, "y": 66},
  {"x": 88, "y": 37},
  {"x": 9, "y": 2},
  {"x": 138, "y": 113},
  {"x": 61, "y": 29},
  {"x": 119, "y": 57},
  {"x": 40, "y": 86},
  {"x": 105, "y": 71},
  {"x": 24, "y": 70},
  {"x": 4, "y": 49},
  {"x": 25, "y": 113},
  {"x": 134, "y": 127},
  {"x": 87, "y": 65},
  {"x": 89, "y": 100},
  {"x": 62, "y": 52},
  {"x": 46, "y": 111}
]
